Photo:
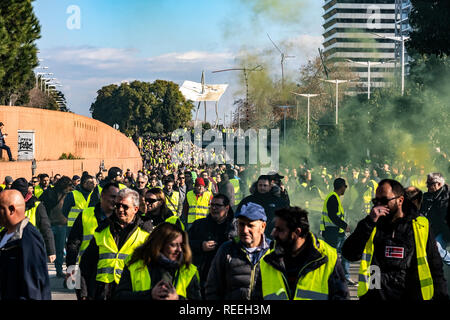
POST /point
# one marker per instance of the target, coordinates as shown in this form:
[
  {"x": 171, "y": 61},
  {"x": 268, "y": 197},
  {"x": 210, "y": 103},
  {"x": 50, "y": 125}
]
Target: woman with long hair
[{"x": 161, "y": 268}]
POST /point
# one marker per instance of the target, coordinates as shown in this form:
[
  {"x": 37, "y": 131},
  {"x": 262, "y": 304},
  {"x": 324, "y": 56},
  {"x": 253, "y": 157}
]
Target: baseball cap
[
  {"x": 338, "y": 183},
  {"x": 75, "y": 177},
  {"x": 252, "y": 211}
]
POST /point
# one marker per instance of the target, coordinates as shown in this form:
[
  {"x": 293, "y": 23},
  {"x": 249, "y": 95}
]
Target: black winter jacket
[
  {"x": 434, "y": 207},
  {"x": 231, "y": 273},
  {"x": 43, "y": 225},
  {"x": 23, "y": 265},
  {"x": 205, "y": 230},
  {"x": 399, "y": 276}
]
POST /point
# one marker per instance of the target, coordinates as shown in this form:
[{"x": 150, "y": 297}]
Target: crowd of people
[{"x": 222, "y": 231}]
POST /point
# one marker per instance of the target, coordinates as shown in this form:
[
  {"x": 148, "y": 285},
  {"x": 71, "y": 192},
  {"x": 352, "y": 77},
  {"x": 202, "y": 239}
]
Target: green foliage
[
  {"x": 19, "y": 29},
  {"x": 429, "y": 22},
  {"x": 142, "y": 107}
]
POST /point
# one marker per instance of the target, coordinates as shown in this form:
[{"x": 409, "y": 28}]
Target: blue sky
[{"x": 173, "y": 40}]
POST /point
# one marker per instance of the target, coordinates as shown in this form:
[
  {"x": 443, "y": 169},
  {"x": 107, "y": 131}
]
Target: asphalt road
[{"x": 59, "y": 292}]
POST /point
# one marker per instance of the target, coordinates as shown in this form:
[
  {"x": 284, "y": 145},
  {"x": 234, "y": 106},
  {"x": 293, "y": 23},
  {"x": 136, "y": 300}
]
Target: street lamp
[
  {"x": 337, "y": 82},
  {"x": 401, "y": 39},
  {"x": 284, "y": 126},
  {"x": 309, "y": 96}
]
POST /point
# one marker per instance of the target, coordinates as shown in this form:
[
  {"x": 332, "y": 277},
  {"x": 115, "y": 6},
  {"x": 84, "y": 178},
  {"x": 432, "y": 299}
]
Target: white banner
[
  {"x": 25, "y": 145},
  {"x": 193, "y": 91}
]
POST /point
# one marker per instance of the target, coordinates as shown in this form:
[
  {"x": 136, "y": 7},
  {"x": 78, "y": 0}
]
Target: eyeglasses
[
  {"x": 182, "y": 177},
  {"x": 383, "y": 201},
  {"x": 151, "y": 201},
  {"x": 124, "y": 206},
  {"x": 217, "y": 205},
  {"x": 141, "y": 182}
]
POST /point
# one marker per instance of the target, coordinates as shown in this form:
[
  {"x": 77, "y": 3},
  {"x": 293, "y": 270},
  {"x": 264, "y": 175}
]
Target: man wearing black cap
[
  {"x": 332, "y": 224},
  {"x": 36, "y": 212}
]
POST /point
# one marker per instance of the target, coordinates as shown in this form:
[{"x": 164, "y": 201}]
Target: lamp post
[
  {"x": 284, "y": 125},
  {"x": 402, "y": 40},
  {"x": 309, "y": 96},
  {"x": 369, "y": 64},
  {"x": 337, "y": 82}
]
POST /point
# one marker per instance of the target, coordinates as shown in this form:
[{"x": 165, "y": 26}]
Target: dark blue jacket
[{"x": 23, "y": 265}]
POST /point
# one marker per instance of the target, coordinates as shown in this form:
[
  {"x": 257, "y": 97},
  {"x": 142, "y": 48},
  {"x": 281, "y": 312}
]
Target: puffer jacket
[{"x": 232, "y": 275}]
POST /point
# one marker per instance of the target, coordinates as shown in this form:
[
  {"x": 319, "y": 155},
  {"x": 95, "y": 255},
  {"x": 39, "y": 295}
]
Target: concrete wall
[{"x": 59, "y": 132}]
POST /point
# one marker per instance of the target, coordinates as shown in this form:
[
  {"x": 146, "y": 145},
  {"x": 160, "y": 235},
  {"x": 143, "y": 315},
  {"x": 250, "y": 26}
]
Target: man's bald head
[{"x": 12, "y": 209}]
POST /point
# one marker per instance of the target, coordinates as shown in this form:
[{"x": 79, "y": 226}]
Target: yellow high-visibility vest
[
  {"x": 141, "y": 281},
  {"x": 198, "y": 208},
  {"x": 38, "y": 191},
  {"x": 112, "y": 260},
  {"x": 172, "y": 201},
  {"x": 368, "y": 195},
  {"x": 311, "y": 286},
  {"x": 326, "y": 221},
  {"x": 31, "y": 213},
  {"x": 80, "y": 204},
  {"x": 237, "y": 191},
  {"x": 421, "y": 231},
  {"x": 90, "y": 223}
]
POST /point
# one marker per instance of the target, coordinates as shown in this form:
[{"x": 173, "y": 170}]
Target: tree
[
  {"x": 142, "y": 107},
  {"x": 429, "y": 22},
  {"x": 19, "y": 29}
]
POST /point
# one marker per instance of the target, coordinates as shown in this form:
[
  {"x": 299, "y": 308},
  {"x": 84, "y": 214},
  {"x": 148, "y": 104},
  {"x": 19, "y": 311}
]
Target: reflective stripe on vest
[
  {"x": 90, "y": 223},
  {"x": 31, "y": 213},
  {"x": 311, "y": 286},
  {"x": 421, "y": 230},
  {"x": 111, "y": 261},
  {"x": 198, "y": 208},
  {"x": 237, "y": 190},
  {"x": 368, "y": 195},
  {"x": 326, "y": 221},
  {"x": 172, "y": 201},
  {"x": 80, "y": 204},
  {"x": 141, "y": 281}
]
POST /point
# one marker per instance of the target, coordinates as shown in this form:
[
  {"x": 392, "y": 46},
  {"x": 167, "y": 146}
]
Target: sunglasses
[
  {"x": 383, "y": 201},
  {"x": 182, "y": 177},
  {"x": 124, "y": 206},
  {"x": 217, "y": 205},
  {"x": 35, "y": 181},
  {"x": 151, "y": 201}
]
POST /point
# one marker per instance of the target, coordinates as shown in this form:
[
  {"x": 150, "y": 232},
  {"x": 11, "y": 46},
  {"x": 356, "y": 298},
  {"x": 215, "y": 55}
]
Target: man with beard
[
  {"x": 300, "y": 266},
  {"x": 397, "y": 249}
]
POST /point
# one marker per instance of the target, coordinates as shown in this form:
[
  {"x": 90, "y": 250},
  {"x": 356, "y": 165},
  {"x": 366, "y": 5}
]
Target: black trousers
[{"x": 8, "y": 150}]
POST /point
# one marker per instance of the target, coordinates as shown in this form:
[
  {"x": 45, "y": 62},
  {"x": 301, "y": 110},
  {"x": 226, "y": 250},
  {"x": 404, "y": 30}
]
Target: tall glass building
[{"x": 354, "y": 30}]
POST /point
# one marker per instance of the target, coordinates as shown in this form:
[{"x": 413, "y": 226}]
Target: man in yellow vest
[
  {"x": 85, "y": 224},
  {"x": 44, "y": 183},
  {"x": 78, "y": 200},
  {"x": 114, "y": 240},
  {"x": 300, "y": 266},
  {"x": 172, "y": 196},
  {"x": 115, "y": 175},
  {"x": 397, "y": 249},
  {"x": 333, "y": 225},
  {"x": 196, "y": 204}
]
